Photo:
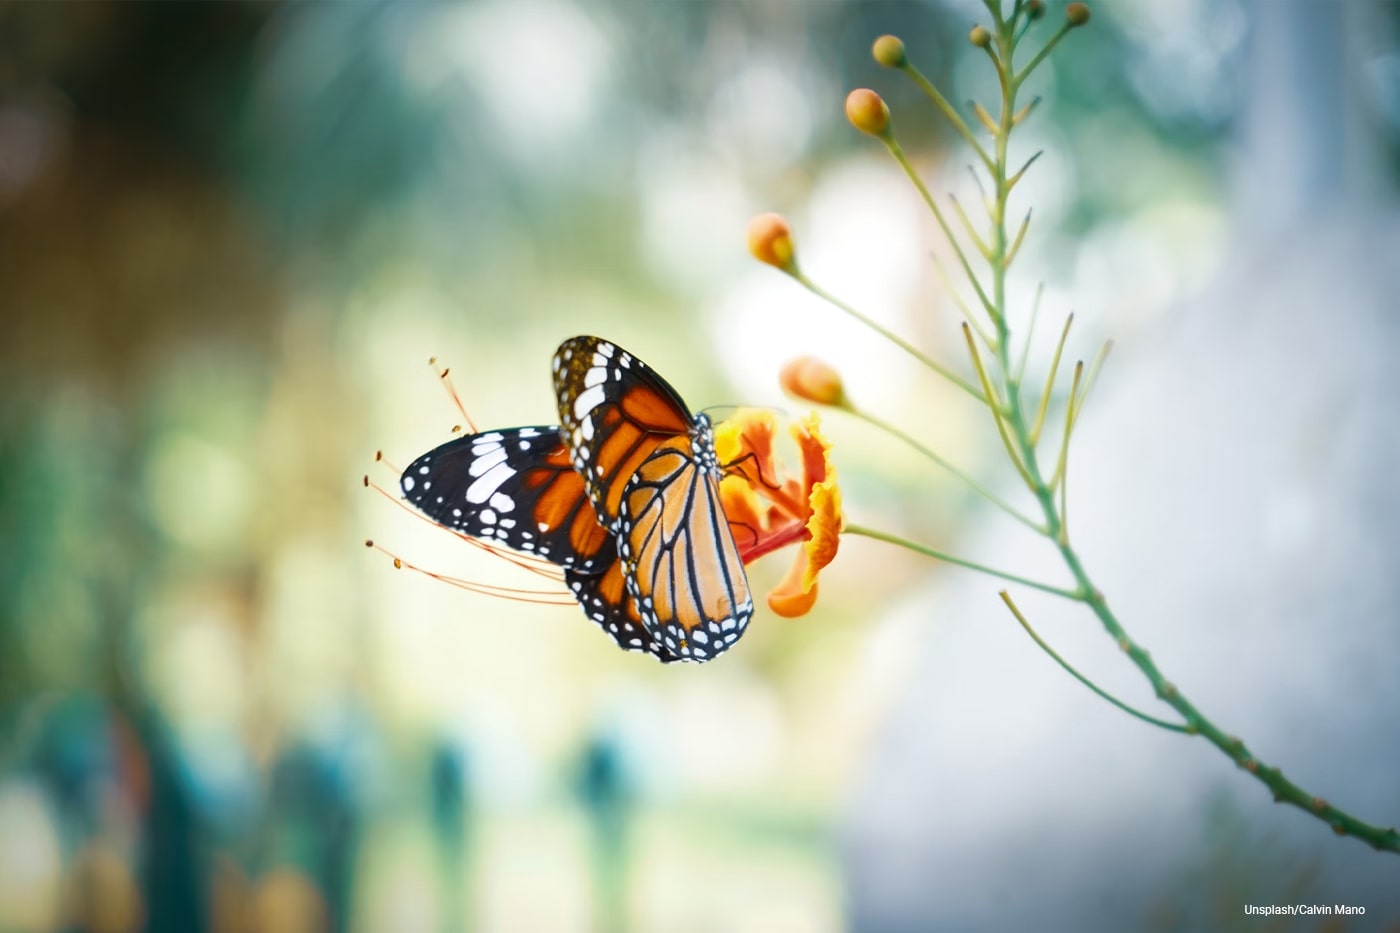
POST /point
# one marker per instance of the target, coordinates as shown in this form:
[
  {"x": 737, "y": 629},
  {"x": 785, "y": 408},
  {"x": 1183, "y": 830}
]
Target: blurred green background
[{"x": 231, "y": 236}]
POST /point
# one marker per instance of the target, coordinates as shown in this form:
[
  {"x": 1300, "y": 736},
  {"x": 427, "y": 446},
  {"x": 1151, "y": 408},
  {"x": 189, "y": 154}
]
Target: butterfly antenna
[
  {"x": 516, "y": 594},
  {"x": 729, "y": 409},
  {"x": 445, "y": 377}
]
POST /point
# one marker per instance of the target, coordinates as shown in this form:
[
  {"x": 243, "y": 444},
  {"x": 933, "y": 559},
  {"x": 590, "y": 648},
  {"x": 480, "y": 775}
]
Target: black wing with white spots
[
  {"x": 515, "y": 487},
  {"x": 606, "y": 600}
]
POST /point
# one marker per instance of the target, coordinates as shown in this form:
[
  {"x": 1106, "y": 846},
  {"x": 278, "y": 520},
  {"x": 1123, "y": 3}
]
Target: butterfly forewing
[
  {"x": 515, "y": 487},
  {"x": 614, "y": 411}
]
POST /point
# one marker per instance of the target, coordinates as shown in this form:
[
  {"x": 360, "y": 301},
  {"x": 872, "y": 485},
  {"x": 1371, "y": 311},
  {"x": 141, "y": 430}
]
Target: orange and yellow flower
[{"x": 768, "y": 508}]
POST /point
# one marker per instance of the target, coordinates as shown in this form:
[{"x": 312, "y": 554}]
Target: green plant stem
[
  {"x": 1093, "y": 376},
  {"x": 972, "y": 233},
  {"x": 958, "y": 561},
  {"x": 953, "y": 117},
  {"x": 1284, "y": 790},
  {"x": 1020, "y": 77},
  {"x": 1049, "y": 381},
  {"x": 895, "y": 150},
  {"x": 1071, "y": 415},
  {"x": 947, "y": 282},
  {"x": 932, "y": 455},
  {"x": 995, "y": 405},
  {"x": 1013, "y": 420},
  {"x": 889, "y": 335},
  {"x": 1030, "y": 333},
  {"x": 1161, "y": 723}
]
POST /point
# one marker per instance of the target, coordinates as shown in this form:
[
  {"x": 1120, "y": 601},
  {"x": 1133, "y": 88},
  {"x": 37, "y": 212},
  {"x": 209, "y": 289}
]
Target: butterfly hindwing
[{"x": 606, "y": 600}]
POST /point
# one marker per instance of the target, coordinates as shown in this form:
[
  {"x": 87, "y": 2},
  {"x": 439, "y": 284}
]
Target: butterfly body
[{"x": 623, "y": 495}]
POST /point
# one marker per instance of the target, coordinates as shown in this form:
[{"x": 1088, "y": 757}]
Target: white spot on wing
[
  {"x": 483, "y": 488},
  {"x": 587, "y": 400},
  {"x": 487, "y": 461}
]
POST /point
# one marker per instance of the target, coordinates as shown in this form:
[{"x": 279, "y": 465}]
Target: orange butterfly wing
[{"x": 651, "y": 472}]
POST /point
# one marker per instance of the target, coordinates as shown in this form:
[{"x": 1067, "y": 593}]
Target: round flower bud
[
  {"x": 770, "y": 241},
  {"x": 811, "y": 380},
  {"x": 980, "y": 37},
  {"x": 889, "y": 51},
  {"x": 1035, "y": 9},
  {"x": 867, "y": 112},
  {"x": 1077, "y": 14}
]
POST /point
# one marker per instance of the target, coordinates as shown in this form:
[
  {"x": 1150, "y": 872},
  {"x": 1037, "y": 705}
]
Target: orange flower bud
[
  {"x": 889, "y": 51},
  {"x": 770, "y": 241},
  {"x": 980, "y": 37},
  {"x": 811, "y": 380},
  {"x": 1035, "y": 9},
  {"x": 867, "y": 112},
  {"x": 1077, "y": 14}
]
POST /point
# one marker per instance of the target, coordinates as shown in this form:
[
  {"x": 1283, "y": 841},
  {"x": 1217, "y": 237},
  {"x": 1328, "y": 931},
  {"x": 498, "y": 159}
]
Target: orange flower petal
[
  {"x": 814, "y": 449},
  {"x": 795, "y": 596},
  {"x": 740, "y": 503},
  {"x": 746, "y": 442},
  {"x": 792, "y": 606}
]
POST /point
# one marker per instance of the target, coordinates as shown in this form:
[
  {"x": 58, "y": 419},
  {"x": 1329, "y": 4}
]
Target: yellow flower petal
[
  {"x": 768, "y": 509},
  {"x": 824, "y": 527}
]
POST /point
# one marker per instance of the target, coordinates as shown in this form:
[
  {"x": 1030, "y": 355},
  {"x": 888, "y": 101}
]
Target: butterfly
[{"x": 624, "y": 496}]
